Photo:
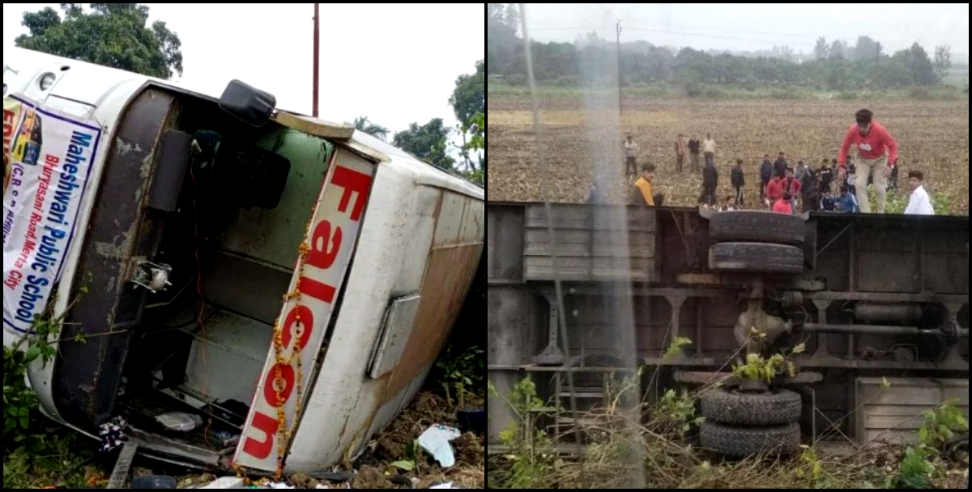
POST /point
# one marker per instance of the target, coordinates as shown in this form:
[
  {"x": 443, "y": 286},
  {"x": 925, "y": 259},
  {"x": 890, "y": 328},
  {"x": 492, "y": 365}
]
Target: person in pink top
[
  {"x": 872, "y": 140},
  {"x": 782, "y": 205}
]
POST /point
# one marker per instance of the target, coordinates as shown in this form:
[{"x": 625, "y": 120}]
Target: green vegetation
[
  {"x": 757, "y": 368},
  {"x": 590, "y": 62},
  {"x": 500, "y": 86},
  {"x": 529, "y": 456},
  {"x": 938, "y": 426},
  {"x": 468, "y": 100},
  {"x": 36, "y": 451},
  {"x": 460, "y": 372},
  {"x": 659, "y": 448},
  {"x": 114, "y": 34},
  {"x": 371, "y": 128}
]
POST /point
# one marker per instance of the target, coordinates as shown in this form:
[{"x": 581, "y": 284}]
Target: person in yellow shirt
[{"x": 643, "y": 183}]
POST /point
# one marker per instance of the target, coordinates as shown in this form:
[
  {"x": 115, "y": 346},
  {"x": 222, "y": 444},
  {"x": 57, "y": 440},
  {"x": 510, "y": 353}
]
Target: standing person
[
  {"x": 693, "y": 145},
  {"x": 780, "y": 165},
  {"x": 811, "y": 191},
  {"x": 893, "y": 183},
  {"x": 793, "y": 188},
  {"x": 679, "y": 152},
  {"x": 918, "y": 203},
  {"x": 765, "y": 173},
  {"x": 827, "y": 199},
  {"x": 847, "y": 203},
  {"x": 630, "y": 153},
  {"x": 801, "y": 170},
  {"x": 708, "y": 146},
  {"x": 775, "y": 188},
  {"x": 850, "y": 179},
  {"x": 872, "y": 140},
  {"x": 710, "y": 178},
  {"x": 826, "y": 174},
  {"x": 593, "y": 195},
  {"x": 738, "y": 181},
  {"x": 643, "y": 183}
]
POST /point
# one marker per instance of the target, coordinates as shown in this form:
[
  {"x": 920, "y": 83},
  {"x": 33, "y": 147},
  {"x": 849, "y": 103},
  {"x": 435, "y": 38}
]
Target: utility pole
[
  {"x": 619, "y": 67},
  {"x": 316, "y": 58}
]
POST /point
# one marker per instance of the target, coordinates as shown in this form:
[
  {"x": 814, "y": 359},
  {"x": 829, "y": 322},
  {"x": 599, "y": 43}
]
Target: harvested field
[{"x": 933, "y": 136}]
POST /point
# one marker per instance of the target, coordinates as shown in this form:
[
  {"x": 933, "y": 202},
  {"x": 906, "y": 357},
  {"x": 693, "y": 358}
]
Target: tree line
[{"x": 591, "y": 60}]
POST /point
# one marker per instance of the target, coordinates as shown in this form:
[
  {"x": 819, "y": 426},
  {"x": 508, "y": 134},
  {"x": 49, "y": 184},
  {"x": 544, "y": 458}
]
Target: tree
[
  {"x": 427, "y": 142},
  {"x": 467, "y": 100},
  {"x": 783, "y": 53},
  {"x": 866, "y": 49},
  {"x": 820, "y": 50},
  {"x": 501, "y": 39},
  {"x": 838, "y": 50},
  {"x": 477, "y": 142},
  {"x": 921, "y": 66},
  {"x": 373, "y": 129},
  {"x": 943, "y": 61},
  {"x": 114, "y": 34}
]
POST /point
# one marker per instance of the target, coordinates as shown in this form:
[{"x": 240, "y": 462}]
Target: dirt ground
[
  {"x": 391, "y": 445},
  {"x": 374, "y": 469},
  {"x": 933, "y": 136}
]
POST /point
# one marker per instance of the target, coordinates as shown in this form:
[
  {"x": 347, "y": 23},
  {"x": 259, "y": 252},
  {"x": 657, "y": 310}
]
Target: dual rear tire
[
  {"x": 756, "y": 241},
  {"x": 742, "y": 424}
]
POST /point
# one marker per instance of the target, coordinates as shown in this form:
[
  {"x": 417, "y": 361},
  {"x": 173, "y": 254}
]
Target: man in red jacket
[
  {"x": 871, "y": 139},
  {"x": 775, "y": 188}
]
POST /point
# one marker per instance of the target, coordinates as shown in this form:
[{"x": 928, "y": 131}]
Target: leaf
[
  {"x": 406, "y": 465},
  {"x": 790, "y": 369},
  {"x": 32, "y": 353},
  {"x": 885, "y": 384},
  {"x": 799, "y": 348}
]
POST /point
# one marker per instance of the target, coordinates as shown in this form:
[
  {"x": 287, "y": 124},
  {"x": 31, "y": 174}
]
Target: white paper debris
[
  {"x": 179, "y": 421},
  {"x": 446, "y": 485},
  {"x": 436, "y": 439}
]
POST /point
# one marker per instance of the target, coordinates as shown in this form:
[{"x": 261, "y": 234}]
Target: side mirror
[{"x": 249, "y": 104}]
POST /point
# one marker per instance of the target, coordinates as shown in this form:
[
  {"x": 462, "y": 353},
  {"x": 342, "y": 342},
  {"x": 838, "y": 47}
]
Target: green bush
[
  {"x": 919, "y": 93},
  {"x": 461, "y": 372},
  {"x": 515, "y": 79},
  {"x": 937, "y": 429},
  {"x": 941, "y": 203},
  {"x": 787, "y": 93},
  {"x": 693, "y": 89},
  {"x": 530, "y": 458}
]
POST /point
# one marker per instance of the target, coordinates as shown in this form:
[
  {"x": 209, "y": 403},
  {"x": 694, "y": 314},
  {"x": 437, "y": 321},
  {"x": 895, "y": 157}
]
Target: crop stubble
[{"x": 933, "y": 134}]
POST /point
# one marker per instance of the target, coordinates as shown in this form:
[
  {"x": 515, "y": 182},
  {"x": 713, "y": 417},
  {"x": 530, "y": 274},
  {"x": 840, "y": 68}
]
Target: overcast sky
[
  {"x": 753, "y": 27},
  {"x": 395, "y": 63}
]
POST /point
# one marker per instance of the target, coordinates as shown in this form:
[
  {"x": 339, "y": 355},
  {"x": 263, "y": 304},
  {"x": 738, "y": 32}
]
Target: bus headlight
[{"x": 46, "y": 81}]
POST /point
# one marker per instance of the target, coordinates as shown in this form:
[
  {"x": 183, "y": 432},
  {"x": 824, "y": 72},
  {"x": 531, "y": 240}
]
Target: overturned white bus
[{"x": 288, "y": 280}]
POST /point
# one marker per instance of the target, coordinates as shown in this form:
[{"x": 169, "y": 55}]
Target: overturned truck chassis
[{"x": 876, "y": 296}]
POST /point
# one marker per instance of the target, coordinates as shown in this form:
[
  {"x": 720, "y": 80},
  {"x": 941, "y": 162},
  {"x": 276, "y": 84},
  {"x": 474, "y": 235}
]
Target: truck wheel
[
  {"x": 736, "y": 408},
  {"x": 745, "y": 441},
  {"x": 756, "y": 257},
  {"x": 764, "y": 227}
]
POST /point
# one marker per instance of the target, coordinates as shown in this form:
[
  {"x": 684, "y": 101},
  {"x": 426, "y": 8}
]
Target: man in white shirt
[{"x": 919, "y": 203}]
